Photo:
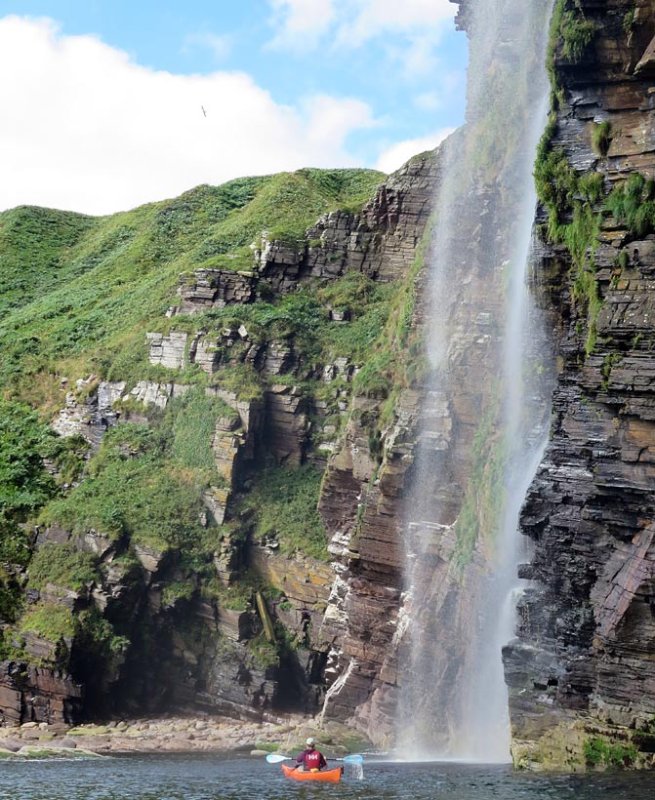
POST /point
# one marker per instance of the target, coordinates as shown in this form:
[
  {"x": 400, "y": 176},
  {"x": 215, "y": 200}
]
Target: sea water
[{"x": 206, "y": 777}]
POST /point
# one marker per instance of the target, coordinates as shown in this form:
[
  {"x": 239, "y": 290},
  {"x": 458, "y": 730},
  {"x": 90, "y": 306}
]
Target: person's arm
[{"x": 323, "y": 762}]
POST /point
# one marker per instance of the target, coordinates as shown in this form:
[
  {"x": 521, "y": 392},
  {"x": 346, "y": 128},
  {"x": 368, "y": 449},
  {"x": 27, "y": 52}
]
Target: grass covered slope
[
  {"x": 77, "y": 289},
  {"x": 77, "y": 295},
  {"x": 34, "y": 248}
]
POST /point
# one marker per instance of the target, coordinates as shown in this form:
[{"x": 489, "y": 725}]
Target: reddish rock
[{"x": 38, "y": 694}]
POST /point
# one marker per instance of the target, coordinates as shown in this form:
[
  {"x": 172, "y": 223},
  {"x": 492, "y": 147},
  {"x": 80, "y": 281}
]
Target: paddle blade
[
  {"x": 355, "y": 758},
  {"x": 275, "y": 758}
]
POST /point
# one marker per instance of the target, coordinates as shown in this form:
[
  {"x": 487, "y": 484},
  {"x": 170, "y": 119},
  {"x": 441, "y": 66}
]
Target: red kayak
[{"x": 326, "y": 775}]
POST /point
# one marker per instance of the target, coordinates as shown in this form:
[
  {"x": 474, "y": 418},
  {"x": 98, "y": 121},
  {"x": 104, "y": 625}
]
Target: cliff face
[
  {"x": 376, "y": 511},
  {"x": 582, "y": 672},
  {"x": 418, "y": 566},
  {"x": 232, "y": 409}
]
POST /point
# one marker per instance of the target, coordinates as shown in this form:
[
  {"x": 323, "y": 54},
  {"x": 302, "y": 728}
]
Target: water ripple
[{"x": 212, "y": 778}]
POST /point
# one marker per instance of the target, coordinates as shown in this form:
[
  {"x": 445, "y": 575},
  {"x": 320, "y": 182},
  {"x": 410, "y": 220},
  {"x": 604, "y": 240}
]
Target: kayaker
[{"x": 311, "y": 759}]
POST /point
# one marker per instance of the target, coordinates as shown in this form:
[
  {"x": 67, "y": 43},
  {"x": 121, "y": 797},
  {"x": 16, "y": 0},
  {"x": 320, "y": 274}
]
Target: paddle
[{"x": 276, "y": 758}]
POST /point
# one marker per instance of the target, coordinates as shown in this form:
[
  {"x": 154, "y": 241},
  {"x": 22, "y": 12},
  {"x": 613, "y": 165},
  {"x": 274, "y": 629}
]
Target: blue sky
[{"x": 106, "y": 95}]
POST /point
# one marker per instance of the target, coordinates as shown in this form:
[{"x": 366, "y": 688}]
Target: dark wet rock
[{"x": 584, "y": 661}]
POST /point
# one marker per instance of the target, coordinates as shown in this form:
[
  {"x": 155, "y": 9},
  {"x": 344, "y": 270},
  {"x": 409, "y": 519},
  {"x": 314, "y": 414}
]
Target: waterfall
[
  {"x": 486, "y": 410},
  {"x": 334, "y": 690}
]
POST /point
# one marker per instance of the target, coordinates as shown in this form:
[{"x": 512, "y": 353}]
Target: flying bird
[{"x": 203, "y": 110}]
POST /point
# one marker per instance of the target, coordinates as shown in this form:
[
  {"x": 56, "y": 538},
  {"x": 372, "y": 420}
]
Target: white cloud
[
  {"x": 428, "y": 101},
  {"x": 445, "y": 87},
  {"x": 420, "y": 57},
  {"x": 304, "y": 24},
  {"x": 365, "y": 19},
  {"x": 397, "y": 154},
  {"x": 329, "y": 117},
  {"x": 219, "y": 46},
  {"x": 300, "y": 23},
  {"x": 86, "y": 128}
]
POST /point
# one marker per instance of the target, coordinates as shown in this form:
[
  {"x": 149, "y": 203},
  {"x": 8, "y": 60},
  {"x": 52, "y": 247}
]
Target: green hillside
[
  {"x": 34, "y": 248},
  {"x": 76, "y": 290}
]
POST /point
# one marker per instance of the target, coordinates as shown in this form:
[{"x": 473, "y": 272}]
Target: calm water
[{"x": 210, "y": 778}]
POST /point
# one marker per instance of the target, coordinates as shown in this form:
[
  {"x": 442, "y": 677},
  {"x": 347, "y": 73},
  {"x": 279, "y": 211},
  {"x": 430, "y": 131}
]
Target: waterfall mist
[{"x": 485, "y": 412}]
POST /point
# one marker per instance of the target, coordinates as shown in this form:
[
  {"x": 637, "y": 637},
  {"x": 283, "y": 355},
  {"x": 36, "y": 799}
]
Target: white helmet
[{"x": 310, "y": 741}]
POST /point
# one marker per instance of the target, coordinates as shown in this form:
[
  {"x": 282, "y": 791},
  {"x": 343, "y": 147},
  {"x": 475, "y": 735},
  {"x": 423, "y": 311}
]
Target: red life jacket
[{"x": 312, "y": 759}]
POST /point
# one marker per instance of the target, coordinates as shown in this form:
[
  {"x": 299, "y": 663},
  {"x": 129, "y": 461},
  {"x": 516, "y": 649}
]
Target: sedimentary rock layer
[
  {"x": 192, "y": 652},
  {"x": 584, "y": 663}
]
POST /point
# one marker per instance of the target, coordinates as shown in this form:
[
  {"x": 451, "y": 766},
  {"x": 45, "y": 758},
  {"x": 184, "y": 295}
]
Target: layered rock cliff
[
  {"x": 409, "y": 650},
  {"x": 182, "y": 564},
  {"x": 582, "y": 672}
]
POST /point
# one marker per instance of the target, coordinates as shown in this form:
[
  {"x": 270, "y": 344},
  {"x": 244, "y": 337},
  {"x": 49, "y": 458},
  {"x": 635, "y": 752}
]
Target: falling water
[
  {"x": 334, "y": 690},
  {"x": 484, "y": 347},
  {"x": 484, "y": 734}
]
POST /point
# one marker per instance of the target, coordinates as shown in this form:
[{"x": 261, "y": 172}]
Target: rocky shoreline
[{"x": 172, "y": 735}]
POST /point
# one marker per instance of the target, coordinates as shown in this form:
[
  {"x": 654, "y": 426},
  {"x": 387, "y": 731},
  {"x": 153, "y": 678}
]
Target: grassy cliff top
[{"x": 76, "y": 288}]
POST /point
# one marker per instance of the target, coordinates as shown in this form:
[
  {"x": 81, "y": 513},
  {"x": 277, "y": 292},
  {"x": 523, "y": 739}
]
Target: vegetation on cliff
[
  {"x": 571, "y": 31},
  {"x": 25, "y": 485},
  {"x": 284, "y": 506},
  {"x": 80, "y": 295},
  {"x": 632, "y": 204},
  {"x": 136, "y": 489},
  {"x": 80, "y": 291},
  {"x": 62, "y": 566},
  {"x": 598, "y": 752},
  {"x": 571, "y": 199}
]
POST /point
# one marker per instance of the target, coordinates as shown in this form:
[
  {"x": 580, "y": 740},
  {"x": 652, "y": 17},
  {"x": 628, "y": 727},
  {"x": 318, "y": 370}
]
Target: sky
[{"x": 108, "y": 104}]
